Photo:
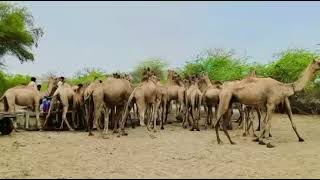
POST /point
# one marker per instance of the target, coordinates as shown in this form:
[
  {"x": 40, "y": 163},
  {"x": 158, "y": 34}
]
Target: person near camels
[{"x": 33, "y": 83}]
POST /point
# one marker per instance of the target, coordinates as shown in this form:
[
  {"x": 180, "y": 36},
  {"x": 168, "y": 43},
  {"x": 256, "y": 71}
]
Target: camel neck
[
  {"x": 208, "y": 82},
  {"x": 305, "y": 77}
]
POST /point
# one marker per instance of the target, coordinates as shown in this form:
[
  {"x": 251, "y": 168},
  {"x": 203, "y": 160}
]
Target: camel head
[
  {"x": 52, "y": 85},
  {"x": 315, "y": 65},
  {"x": 116, "y": 75}
]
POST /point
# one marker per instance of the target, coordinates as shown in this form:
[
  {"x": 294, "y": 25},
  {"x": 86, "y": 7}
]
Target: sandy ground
[{"x": 174, "y": 153}]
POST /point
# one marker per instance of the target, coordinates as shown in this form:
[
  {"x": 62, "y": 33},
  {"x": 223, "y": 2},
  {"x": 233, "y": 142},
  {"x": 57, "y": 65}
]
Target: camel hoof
[
  {"x": 162, "y": 128},
  {"x": 258, "y": 129},
  {"x": 220, "y": 142},
  {"x": 115, "y": 131},
  {"x": 133, "y": 127},
  {"x": 270, "y": 135},
  {"x": 244, "y": 134},
  {"x": 90, "y": 134},
  {"x": 269, "y": 145},
  {"x": 255, "y": 140},
  {"x": 192, "y": 129},
  {"x": 198, "y": 129},
  {"x": 233, "y": 143},
  {"x": 261, "y": 142},
  {"x": 71, "y": 129},
  {"x": 301, "y": 140},
  {"x": 124, "y": 134}
]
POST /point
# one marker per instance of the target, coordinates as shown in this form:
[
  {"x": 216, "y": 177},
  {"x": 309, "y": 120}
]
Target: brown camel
[
  {"x": 78, "y": 113},
  {"x": 145, "y": 96},
  {"x": 210, "y": 97},
  {"x": 193, "y": 103},
  {"x": 27, "y": 96},
  {"x": 262, "y": 91},
  {"x": 111, "y": 93}
]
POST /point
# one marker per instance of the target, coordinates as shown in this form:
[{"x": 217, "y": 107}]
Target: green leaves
[
  {"x": 17, "y": 32},
  {"x": 290, "y": 64},
  {"x": 158, "y": 65},
  {"x": 219, "y": 64}
]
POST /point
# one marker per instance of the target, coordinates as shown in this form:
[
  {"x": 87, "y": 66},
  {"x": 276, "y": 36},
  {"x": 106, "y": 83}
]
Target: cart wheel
[{"x": 6, "y": 126}]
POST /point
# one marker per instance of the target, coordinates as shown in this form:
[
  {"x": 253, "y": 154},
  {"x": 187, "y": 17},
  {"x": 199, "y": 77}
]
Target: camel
[
  {"x": 65, "y": 95},
  {"x": 112, "y": 92},
  {"x": 248, "y": 112},
  {"x": 78, "y": 113},
  {"x": 193, "y": 103},
  {"x": 145, "y": 96},
  {"x": 176, "y": 91},
  {"x": 27, "y": 96},
  {"x": 262, "y": 91},
  {"x": 162, "y": 99},
  {"x": 210, "y": 97}
]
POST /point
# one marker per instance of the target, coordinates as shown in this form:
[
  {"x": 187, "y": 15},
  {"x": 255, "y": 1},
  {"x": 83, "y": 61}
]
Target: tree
[
  {"x": 18, "y": 33},
  {"x": 289, "y": 64},
  {"x": 158, "y": 65},
  {"x": 220, "y": 65}
]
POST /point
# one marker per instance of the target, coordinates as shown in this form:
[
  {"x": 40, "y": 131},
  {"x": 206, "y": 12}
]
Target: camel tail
[
  {"x": 185, "y": 97},
  {"x": 125, "y": 114},
  {"x": 5, "y": 102},
  {"x": 2, "y": 97}
]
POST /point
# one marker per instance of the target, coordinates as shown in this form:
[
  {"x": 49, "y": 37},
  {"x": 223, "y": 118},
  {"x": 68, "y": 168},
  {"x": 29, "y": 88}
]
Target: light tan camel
[
  {"x": 176, "y": 92},
  {"x": 145, "y": 96},
  {"x": 262, "y": 91},
  {"x": 248, "y": 114},
  {"x": 64, "y": 94},
  {"x": 193, "y": 103},
  {"x": 26, "y": 96},
  {"x": 113, "y": 92}
]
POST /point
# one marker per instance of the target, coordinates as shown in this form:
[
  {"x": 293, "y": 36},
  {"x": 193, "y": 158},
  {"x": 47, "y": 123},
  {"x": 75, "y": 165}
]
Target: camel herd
[{"x": 118, "y": 100}]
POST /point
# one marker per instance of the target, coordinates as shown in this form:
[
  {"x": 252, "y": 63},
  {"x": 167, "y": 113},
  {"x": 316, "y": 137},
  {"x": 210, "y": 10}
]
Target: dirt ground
[{"x": 174, "y": 153}]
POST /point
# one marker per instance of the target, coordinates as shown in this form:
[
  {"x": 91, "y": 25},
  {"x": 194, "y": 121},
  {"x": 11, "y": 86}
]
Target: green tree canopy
[
  {"x": 219, "y": 64},
  {"x": 18, "y": 33},
  {"x": 158, "y": 65},
  {"x": 289, "y": 64}
]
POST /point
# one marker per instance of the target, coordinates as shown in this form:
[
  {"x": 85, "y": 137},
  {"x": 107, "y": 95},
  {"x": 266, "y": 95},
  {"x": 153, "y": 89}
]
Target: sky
[{"x": 117, "y": 36}]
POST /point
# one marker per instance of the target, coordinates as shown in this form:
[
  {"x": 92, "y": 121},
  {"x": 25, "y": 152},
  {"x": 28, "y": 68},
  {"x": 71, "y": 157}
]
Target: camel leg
[
  {"x": 115, "y": 113},
  {"x": 64, "y": 118},
  {"x": 225, "y": 123},
  {"x": 155, "y": 115},
  {"x": 184, "y": 121},
  {"x": 259, "y": 118},
  {"x": 209, "y": 113},
  {"x": 39, "y": 125},
  {"x": 224, "y": 106},
  {"x": 164, "y": 111},
  {"x": 289, "y": 112},
  {"x": 267, "y": 125},
  {"x": 142, "y": 109},
  {"x": 106, "y": 120},
  {"x": 73, "y": 113},
  {"x": 245, "y": 120},
  {"x": 193, "y": 118}
]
